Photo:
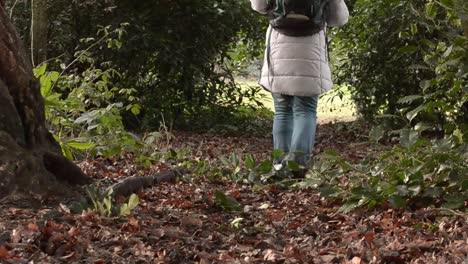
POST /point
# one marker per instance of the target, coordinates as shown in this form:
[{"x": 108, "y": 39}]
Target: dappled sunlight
[{"x": 334, "y": 106}]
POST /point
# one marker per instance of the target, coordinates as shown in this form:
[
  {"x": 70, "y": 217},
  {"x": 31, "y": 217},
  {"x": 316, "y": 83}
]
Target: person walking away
[{"x": 296, "y": 69}]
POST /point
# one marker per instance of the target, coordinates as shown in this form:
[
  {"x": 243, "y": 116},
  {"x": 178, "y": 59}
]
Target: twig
[
  {"x": 13, "y": 8},
  {"x": 453, "y": 212}
]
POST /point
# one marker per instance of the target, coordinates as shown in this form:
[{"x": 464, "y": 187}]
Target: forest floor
[{"x": 181, "y": 222}]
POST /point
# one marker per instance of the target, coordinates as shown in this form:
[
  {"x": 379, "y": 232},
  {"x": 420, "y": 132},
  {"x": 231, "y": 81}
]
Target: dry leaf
[
  {"x": 133, "y": 222},
  {"x": 270, "y": 255},
  {"x": 4, "y": 252},
  {"x": 33, "y": 227},
  {"x": 356, "y": 260},
  {"x": 189, "y": 222}
]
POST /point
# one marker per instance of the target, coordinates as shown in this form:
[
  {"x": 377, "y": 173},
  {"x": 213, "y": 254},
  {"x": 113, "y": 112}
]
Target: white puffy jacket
[{"x": 299, "y": 65}]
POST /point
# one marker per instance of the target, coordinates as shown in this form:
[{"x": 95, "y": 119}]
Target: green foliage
[
  {"x": 84, "y": 107},
  {"x": 129, "y": 204},
  {"x": 226, "y": 202},
  {"x": 394, "y": 49},
  {"x": 248, "y": 170},
  {"x": 245, "y": 120},
  {"x": 443, "y": 101},
  {"x": 417, "y": 173},
  {"x": 410, "y": 66},
  {"x": 104, "y": 205},
  {"x": 178, "y": 55}
]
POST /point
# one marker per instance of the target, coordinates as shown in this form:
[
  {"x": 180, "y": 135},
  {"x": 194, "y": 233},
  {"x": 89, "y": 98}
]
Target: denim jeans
[{"x": 294, "y": 126}]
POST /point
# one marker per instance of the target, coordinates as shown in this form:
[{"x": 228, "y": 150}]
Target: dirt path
[{"x": 184, "y": 223}]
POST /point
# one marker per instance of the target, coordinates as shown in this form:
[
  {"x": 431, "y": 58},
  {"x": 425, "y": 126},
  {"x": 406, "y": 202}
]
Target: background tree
[
  {"x": 175, "y": 53},
  {"x": 39, "y": 29},
  {"x": 30, "y": 159}
]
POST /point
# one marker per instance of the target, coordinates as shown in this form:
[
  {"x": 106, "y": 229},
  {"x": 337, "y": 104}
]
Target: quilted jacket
[{"x": 298, "y": 66}]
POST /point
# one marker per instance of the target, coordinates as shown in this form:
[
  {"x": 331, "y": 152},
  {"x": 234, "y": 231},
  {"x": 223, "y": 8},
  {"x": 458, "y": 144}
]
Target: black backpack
[{"x": 298, "y": 17}]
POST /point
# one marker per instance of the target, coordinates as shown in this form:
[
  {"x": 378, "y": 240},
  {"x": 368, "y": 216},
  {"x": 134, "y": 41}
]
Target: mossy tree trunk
[{"x": 30, "y": 159}]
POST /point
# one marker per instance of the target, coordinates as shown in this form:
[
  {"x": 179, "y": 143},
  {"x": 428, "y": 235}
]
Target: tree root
[
  {"x": 133, "y": 184},
  {"x": 65, "y": 170}
]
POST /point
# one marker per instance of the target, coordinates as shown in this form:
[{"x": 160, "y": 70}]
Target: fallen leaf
[
  {"x": 270, "y": 255},
  {"x": 369, "y": 239},
  {"x": 189, "y": 221},
  {"x": 328, "y": 258},
  {"x": 294, "y": 225},
  {"x": 356, "y": 260},
  {"x": 73, "y": 232},
  {"x": 4, "y": 252},
  {"x": 291, "y": 251},
  {"x": 133, "y": 222},
  {"x": 33, "y": 227}
]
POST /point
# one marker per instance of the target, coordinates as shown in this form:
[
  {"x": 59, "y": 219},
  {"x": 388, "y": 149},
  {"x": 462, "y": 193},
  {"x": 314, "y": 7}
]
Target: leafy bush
[
  {"x": 84, "y": 107},
  {"x": 391, "y": 48},
  {"x": 408, "y": 65},
  {"x": 103, "y": 203},
  {"x": 175, "y": 53},
  {"x": 416, "y": 173},
  {"x": 442, "y": 104}
]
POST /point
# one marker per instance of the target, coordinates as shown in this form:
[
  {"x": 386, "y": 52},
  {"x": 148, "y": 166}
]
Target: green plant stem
[{"x": 77, "y": 59}]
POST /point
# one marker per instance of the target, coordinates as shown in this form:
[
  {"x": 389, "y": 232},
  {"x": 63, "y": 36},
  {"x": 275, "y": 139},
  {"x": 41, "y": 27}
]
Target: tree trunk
[
  {"x": 30, "y": 159},
  {"x": 39, "y": 24}
]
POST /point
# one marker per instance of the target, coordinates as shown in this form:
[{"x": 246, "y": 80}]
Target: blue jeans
[{"x": 294, "y": 126}]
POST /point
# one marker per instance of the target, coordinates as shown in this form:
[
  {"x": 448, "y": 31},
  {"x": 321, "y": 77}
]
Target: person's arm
[
  {"x": 260, "y": 6},
  {"x": 338, "y": 13}
]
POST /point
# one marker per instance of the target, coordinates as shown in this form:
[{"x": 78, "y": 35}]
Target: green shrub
[
  {"x": 442, "y": 104},
  {"x": 391, "y": 48},
  {"x": 417, "y": 173},
  {"x": 104, "y": 204},
  {"x": 177, "y": 54},
  {"x": 84, "y": 107}
]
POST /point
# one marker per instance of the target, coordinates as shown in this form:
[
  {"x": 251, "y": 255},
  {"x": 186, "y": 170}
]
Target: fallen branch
[{"x": 133, "y": 184}]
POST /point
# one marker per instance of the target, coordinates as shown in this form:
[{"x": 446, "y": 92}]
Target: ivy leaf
[
  {"x": 421, "y": 126},
  {"x": 414, "y": 113},
  {"x": 38, "y": 72},
  {"x": 448, "y": 3},
  {"x": 349, "y": 206},
  {"x": 408, "y": 137},
  {"x": 81, "y": 145},
  {"x": 377, "y": 133},
  {"x": 409, "y": 99},
  {"x": 397, "y": 201},
  {"x": 454, "y": 201},
  {"x": 431, "y": 10}
]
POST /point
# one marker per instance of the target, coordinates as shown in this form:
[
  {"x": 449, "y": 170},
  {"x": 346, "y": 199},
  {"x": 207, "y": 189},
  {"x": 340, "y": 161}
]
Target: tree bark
[
  {"x": 30, "y": 159},
  {"x": 39, "y": 24},
  {"x": 134, "y": 184}
]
